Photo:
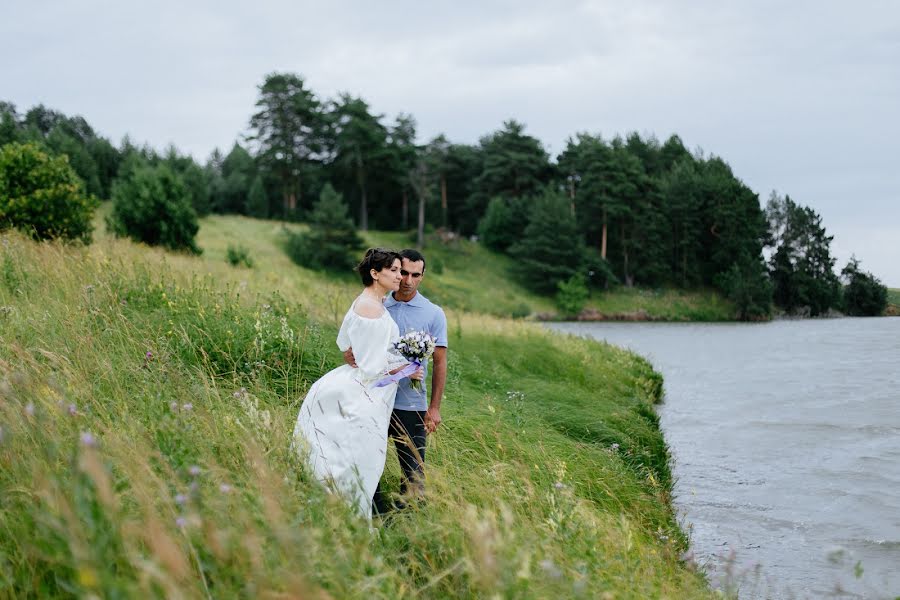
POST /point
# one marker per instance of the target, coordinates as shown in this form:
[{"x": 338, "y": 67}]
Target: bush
[
  {"x": 152, "y": 205},
  {"x": 42, "y": 196},
  {"x": 238, "y": 255},
  {"x": 747, "y": 284},
  {"x": 572, "y": 295},
  {"x": 332, "y": 242},
  {"x": 864, "y": 295}
]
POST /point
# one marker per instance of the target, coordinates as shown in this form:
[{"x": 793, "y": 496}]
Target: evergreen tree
[
  {"x": 289, "y": 131},
  {"x": 360, "y": 147},
  {"x": 331, "y": 242},
  {"x": 802, "y": 267},
  {"x": 864, "y": 294},
  {"x": 257, "y": 200},
  {"x": 551, "y": 249},
  {"x": 152, "y": 205}
]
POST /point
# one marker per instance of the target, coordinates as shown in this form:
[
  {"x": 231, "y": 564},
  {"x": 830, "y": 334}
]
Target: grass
[
  {"x": 146, "y": 404},
  {"x": 893, "y": 307}
]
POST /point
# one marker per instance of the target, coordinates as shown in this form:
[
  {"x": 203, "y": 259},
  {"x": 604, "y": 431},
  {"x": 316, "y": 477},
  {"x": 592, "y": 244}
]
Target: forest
[{"x": 627, "y": 210}]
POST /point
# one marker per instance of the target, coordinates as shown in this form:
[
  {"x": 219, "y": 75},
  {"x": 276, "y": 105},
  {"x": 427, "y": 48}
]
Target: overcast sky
[{"x": 800, "y": 97}]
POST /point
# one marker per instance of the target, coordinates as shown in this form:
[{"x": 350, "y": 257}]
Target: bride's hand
[{"x": 418, "y": 375}]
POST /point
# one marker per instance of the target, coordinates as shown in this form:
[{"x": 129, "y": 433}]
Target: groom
[{"x": 415, "y": 413}]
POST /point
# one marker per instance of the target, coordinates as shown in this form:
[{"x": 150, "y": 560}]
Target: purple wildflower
[
  {"x": 181, "y": 522},
  {"x": 614, "y": 447},
  {"x": 180, "y": 499},
  {"x": 87, "y": 439},
  {"x": 149, "y": 355},
  {"x": 29, "y": 409},
  {"x": 559, "y": 485},
  {"x": 73, "y": 410},
  {"x": 187, "y": 406},
  {"x": 174, "y": 406},
  {"x": 194, "y": 470},
  {"x": 225, "y": 488}
]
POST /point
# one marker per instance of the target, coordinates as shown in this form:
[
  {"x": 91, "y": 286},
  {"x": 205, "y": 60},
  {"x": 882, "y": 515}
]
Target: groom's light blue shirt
[{"x": 419, "y": 314}]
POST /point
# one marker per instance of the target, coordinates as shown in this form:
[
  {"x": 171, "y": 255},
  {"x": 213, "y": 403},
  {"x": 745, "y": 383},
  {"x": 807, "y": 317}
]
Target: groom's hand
[
  {"x": 349, "y": 358},
  {"x": 432, "y": 419}
]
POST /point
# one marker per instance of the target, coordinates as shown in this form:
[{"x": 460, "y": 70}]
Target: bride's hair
[{"x": 378, "y": 259}]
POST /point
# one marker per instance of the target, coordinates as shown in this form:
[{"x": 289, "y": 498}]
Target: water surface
[{"x": 786, "y": 440}]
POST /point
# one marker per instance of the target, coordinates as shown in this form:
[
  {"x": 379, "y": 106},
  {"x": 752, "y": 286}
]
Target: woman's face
[{"x": 390, "y": 277}]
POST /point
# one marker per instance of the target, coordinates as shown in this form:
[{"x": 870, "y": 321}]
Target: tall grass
[{"x": 146, "y": 404}]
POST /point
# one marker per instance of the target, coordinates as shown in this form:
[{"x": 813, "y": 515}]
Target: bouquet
[{"x": 416, "y": 347}]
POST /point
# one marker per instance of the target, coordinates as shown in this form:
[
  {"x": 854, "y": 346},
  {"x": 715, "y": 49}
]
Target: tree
[
  {"x": 402, "y": 160},
  {"x": 42, "y": 196},
  {"x": 9, "y": 123},
  {"x": 360, "y": 145},
  {"x": 551, "y": 249},
  {"x": 802, "y": 267},
  {"x": 746, "y": 283},
  {"x": 331, "y": 242},
  {"x": 437, "y": 153},
  {"x": 513, "y": 165},
  {"x": 864, "y": 294},
  {"x": 289, "y": 131},
  {"x": 238, "y": 172},
  {"x": 503, "y": 222},
  {"x": 257, "y": 200},
  {"x": 152, "y": 205}
]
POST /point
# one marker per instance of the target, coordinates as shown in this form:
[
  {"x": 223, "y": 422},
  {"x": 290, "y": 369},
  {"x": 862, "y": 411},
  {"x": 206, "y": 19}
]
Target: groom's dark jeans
[{"x": 407, "y": 429}]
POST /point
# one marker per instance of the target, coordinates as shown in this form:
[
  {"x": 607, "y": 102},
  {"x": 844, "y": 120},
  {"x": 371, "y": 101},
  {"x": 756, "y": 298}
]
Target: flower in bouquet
[{"x": 416, "y": 347}]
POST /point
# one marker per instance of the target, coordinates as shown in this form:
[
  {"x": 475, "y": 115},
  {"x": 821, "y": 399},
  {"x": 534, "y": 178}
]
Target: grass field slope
[{"x": 146, "y": 404}]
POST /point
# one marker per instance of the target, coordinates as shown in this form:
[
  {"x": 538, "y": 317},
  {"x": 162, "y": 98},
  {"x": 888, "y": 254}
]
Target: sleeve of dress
[
  {"x": 371, "y": 340},
  {"x": 343, "y": 336}
]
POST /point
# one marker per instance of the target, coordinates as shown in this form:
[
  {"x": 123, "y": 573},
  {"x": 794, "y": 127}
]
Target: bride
[{"x": 342, "y": 427}]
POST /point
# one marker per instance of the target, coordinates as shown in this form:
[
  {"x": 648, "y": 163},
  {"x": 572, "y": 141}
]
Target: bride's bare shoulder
[{"x": 368, "y": 308}]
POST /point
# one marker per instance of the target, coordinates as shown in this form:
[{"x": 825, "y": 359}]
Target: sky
[{"x": 800, "y": 97}]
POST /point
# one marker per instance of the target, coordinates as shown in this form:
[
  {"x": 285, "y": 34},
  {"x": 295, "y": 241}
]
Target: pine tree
[{"x": 331, "y": 242}]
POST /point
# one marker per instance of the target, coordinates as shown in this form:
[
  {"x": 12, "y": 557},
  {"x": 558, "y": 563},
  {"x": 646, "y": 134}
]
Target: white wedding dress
[{"x": 343, "y": 423}]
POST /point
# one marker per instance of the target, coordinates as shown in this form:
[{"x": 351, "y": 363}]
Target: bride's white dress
[{"x": 343, "y": 423}]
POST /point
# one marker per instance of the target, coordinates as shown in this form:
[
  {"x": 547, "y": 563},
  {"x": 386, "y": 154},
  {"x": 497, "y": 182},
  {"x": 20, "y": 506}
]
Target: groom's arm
[{"x": 438, "y": 380}]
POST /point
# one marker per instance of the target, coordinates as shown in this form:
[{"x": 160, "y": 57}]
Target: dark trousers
[{"x": 407, "y": 429}]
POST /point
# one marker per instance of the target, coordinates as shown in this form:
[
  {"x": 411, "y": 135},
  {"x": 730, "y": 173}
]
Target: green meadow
[{"x": 146, "y": 406}]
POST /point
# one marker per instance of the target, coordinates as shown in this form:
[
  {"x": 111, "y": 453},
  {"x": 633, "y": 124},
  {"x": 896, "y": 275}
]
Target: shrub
[
  {"x": 152, "y": 205},
  {"x": 238, "y": 255},
  {"x": 572, "y": 295},
  {"x": 42, "y": 196},
  {"x": 332, "y": 242}
]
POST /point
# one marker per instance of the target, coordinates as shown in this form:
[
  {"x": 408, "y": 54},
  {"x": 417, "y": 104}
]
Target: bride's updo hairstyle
[{"x": 378, "y": 259}]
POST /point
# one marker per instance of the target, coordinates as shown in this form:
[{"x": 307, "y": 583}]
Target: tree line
[{"x": 629, "y": 210}]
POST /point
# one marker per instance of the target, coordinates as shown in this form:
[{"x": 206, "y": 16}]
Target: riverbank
[{"x": 148, "y": 400}]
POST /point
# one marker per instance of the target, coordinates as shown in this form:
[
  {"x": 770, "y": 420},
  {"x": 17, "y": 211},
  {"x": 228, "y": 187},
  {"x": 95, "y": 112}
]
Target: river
[{"x": 786, "y": 446}]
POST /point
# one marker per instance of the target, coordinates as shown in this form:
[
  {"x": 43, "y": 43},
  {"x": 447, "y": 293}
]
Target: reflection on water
[{"x": 786, "y": 439}]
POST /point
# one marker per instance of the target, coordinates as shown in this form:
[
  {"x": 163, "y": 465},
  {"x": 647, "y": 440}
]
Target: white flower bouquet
[{"x": 416, "y": 347}]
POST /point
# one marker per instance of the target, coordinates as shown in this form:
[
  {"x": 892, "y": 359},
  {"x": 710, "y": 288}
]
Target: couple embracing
[{"x": 348, "y": 415}]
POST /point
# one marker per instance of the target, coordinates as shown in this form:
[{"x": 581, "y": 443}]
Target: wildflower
[
  {"x": 181, "y": 522},
  {"x": 559, "y": 485},
  {"x": 194, "y": 470},
  {"x": 225, "y": 488},
  {"x": 187, "y": 406},
  {"x": 614, "y": 447},
  {"x": 29, "y": 409},
  {"x": 87, "y": 439},
  {"x": 149, "y": 355},
  {"x": 73, "y": 410},
  {"x": 174, "y": 406},
  {"x": 180, "y": 499}
]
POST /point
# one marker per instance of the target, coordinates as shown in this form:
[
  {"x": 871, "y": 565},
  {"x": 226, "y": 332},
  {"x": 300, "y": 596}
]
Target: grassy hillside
[
  {"x": 146, "y": 403},
  {"x": 461, "y": 275}
]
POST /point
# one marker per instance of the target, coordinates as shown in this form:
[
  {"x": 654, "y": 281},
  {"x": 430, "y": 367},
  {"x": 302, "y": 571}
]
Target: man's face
[{"x": 412, "y": 274}]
